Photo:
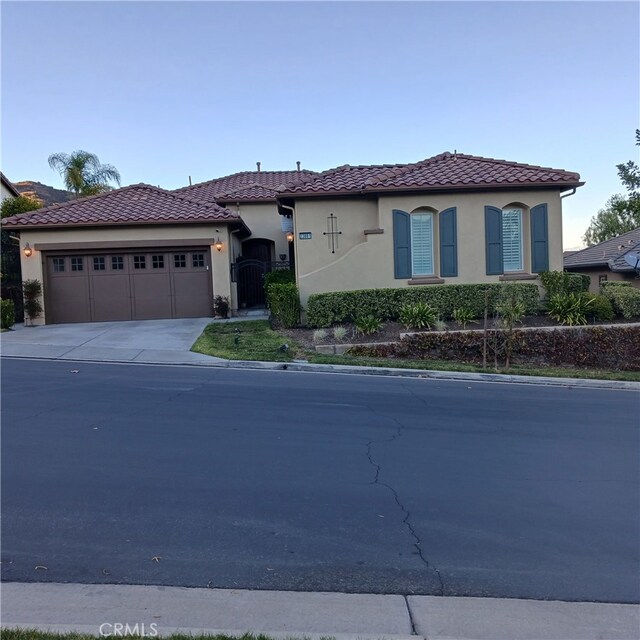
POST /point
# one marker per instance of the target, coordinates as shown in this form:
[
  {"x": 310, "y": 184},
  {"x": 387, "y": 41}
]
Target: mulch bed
[{"x": 391, "y": 331}]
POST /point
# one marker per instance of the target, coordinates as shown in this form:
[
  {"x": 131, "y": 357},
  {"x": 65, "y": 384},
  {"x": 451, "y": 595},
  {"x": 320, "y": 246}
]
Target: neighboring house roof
[
  {"x": 135, "y": 204},
  {"x": 8, "y": 184},
  {"x": 609, "y": 253},
  {"x": 447, "y": 171},
  {"x": 245, "y": 186}
]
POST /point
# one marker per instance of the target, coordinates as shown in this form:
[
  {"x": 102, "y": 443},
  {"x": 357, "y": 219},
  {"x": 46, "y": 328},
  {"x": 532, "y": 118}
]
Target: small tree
[
  {"x": 21, "y": 204},
  {"x": 32, "y": 290},
  {"x": 621, "y": 213},
  {"x": 510, "y": 310}
]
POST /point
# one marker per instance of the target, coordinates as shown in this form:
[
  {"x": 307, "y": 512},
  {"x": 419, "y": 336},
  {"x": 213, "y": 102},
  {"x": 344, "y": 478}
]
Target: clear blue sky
[{"x": 172, "y": 89}]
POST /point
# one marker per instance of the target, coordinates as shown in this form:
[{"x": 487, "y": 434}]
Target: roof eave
[
  {"x": 134, "y": 223},
  {"x": 373, "y": 191}
]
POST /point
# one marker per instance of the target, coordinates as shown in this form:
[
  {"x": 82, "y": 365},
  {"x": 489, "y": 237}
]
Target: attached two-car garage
[{"x": 128, "y": 284}]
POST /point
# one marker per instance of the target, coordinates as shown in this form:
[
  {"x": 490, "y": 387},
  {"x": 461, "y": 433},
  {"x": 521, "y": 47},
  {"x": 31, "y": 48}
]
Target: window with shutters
[
  {"x": 512, "y": 239},
  {"x": 422, "y": 244}
]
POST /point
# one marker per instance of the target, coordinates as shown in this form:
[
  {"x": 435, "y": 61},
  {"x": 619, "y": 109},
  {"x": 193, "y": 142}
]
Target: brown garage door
[{"x": 128, "y": 286}]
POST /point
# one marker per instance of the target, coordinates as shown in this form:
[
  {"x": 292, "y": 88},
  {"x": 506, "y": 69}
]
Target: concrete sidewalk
[{"x": 83, "y": 608}]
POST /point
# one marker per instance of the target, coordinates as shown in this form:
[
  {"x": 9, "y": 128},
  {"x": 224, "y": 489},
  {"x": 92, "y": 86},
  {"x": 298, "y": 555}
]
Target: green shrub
[
  {"x": 7, "y": 314},
  {"x": 614, "y": 283},
  {"x": 596, "y": 347},
  {"x": 600, "y": 309},
  {"x": 418, "y": 315},
  {"x": 569, "y": 308},
  {"x": 339, "y": 333},
  {"x": 221, "y": 306},
  {"x": 319, "y": 335},
  {"x": 564, "y": 282},
  {"x": 279, "y": 276},
  {"x": 325, "y": 309},
  {"x": 463, "y": 316},
  {"x": 624, "y": 299},
  {"x": 285, "y": 304},
  {"x": 368, "y": 324},
  {"x": 32, "y": 290}
]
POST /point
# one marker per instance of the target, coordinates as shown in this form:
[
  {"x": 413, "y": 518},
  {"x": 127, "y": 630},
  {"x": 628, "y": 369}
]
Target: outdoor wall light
[
  {"x": 290, "y": 236},
  {"x": 218, "y": 244},
  {"x": 28, "y": 251}
]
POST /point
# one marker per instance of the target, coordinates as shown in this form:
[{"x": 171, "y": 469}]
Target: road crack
[{"x": 406, "y": 520}]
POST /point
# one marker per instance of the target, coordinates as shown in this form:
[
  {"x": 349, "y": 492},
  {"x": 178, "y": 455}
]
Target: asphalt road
[{"x": 282, "y": 480}]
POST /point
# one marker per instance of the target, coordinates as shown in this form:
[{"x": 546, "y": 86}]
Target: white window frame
[
  {"x": 512, "y": 267},
  {"x": 431, "y": 259}
]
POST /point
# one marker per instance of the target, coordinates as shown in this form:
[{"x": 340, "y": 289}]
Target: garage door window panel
[
  {"x": 58, "y": 265},
  {"x": 139, "y": 262},
  {"x": 77, "y": 264},
  {"x": 197, "y": 260},
  {"x": 180, "y": 260},
  {"x": 117, "y": 263},
  {"x": 157, "y": 262},
  {"x": 99, "y": 263}
]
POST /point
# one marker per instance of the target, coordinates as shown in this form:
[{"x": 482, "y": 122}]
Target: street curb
[
  {"x": 451, "y": 376},
  {"x": 89, "y": 629}
]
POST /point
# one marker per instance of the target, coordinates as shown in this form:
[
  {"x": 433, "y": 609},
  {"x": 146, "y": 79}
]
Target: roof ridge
[
  {"x": 511, "y": 163},
  {"x": 244, "y": 173}
]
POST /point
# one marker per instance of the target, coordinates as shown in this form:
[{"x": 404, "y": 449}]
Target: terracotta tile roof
[
  {"x": 135, "y": 204},
  {"x": 244, "y": 186},
  {"x": 444, "y": 171},
  {"x": 610, "y": 253}
]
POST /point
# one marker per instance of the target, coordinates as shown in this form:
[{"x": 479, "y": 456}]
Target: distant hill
[{"x": 47, "y": 195}]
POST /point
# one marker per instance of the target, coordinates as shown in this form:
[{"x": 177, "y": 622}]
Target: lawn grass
[
  {"x": 32, "y": 634},
  {"x": 256, "y": 341},
  {"x": 444, "y": 365}
]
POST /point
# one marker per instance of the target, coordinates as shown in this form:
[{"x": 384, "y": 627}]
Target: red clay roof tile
[
  {"x": 243, "y": 186},
  {"x": 447, "y": 170},
  {"x": 135, "y": 204}
]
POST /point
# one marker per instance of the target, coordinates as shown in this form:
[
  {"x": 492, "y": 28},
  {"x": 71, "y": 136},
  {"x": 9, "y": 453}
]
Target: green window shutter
[
  {"x": 401, "y": 244},
  {"x": 448, "y": 243},
  {"x": 493, "y": 240},
  {"x": 539, "y": 239}
]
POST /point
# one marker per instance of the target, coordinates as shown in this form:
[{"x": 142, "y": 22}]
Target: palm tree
[{"x": 83, "y": 174}]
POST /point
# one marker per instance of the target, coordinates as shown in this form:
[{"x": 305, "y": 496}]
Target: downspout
[{"x": 566, "y": 195}]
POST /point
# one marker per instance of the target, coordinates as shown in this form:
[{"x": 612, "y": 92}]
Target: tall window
[
  {"x": 422, "y": 244},
  {"x": 512, "y": 239}
]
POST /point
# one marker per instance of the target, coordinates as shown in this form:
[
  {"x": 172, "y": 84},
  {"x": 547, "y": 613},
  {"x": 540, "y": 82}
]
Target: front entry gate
[{"x": 249, "y": 274}]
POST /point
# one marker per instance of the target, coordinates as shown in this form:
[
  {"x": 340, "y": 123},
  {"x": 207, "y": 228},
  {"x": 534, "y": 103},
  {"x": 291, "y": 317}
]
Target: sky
[{"x": 168, "y": 90}]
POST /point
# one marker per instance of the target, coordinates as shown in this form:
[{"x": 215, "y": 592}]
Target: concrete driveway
[{"x": 156, "y": 341}]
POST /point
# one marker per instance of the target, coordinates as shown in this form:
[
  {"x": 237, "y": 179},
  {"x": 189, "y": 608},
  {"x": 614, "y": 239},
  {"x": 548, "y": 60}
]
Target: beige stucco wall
[
  {"x": 5, "y": 193},
  {"x": 265, "y": 222},
  {"x": 33, "y": 266},
  {"x": 366, "y": 261},
  {"x": 612, "y": 276}
]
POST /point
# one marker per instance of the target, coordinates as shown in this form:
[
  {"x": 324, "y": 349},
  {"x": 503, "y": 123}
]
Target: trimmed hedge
[
  {"x": 279, "y": 276},
  {"x": 7, "y": 314},
  {"x": 325, "y": 309},
  {"x": 594, "y": 347},
  {"x": 625, "y": 299},
  {"x": 564, "y": 282},
  {"x": 285, "y": 304}
]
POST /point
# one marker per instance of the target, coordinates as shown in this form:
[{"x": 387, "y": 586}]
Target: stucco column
[
  {"x": 33, "y": 269},
  {"x": 221, "y": 267}
]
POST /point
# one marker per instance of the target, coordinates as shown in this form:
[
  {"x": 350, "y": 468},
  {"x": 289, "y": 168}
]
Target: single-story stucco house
[
  {"x": 450, "y": 219},
  {"x": 606, "y": 260},
  {"x": 143, "y": 252}
]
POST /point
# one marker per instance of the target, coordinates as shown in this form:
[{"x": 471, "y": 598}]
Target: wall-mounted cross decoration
[{"x": 332, "y": 232}]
